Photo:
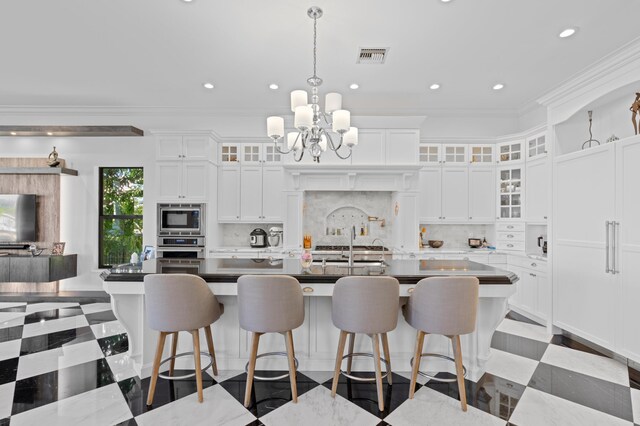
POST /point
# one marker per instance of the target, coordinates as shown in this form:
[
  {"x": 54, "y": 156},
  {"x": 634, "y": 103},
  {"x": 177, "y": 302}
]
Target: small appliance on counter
[
  {"x": 275, "y": 236},
  {"x": 258, "y": 238},
  {"x": 435, "y": 243},
  {"x": 475, "y": 242},
  {"x": 542, "y": 243}
]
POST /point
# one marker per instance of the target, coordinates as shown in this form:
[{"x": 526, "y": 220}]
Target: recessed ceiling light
[
  {"x": 49, "y": 134},
  {"x": 13, "y": 133},
  {"x": 434, "y": 86},
  {"x": 445, "y": 1},
  {"x": 353, "y": 86},
  {"x": 187, "y": 1},
  {"x": 567, "y": 33},
  {"x": 208, "y": 85},
  {"x": 273, "y": 86},
  {"x": 498, "y": 86}
]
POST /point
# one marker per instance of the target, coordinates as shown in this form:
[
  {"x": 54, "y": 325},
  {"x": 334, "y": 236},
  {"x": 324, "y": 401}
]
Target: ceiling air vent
[{"x": 372, "y": 56}]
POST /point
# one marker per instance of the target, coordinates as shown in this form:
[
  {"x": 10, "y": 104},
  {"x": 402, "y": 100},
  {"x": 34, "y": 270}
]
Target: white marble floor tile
[
  {"x": 107, "y": 329},
  {"x": 537, "y": 408},
  {"x": 121, "y": 366},
  {"x": 218, "y": 408},
  {"x": 52, "y": 326},
  {"x": 5, "y": 305},
  {"x": 11, "y": 319},
  {"x": 511, "y": 367},
  {"x": 585, "y": 363},
  {"x": 47, "y": 306},
  {"x": 103, "y": 406},
  {"x": 56, "y": 359},
  {"x": 10, "y": 349},
  {"x": 224, "y": 374},
  {"x": 319, "y": 376},
  {"x": 429, "y": 407},
  {"x": 6, "y": 399},
  {"x": 523, "y": 329},
  {"x": 635, "y": 403},
  {"x": 95, "y": 307},
  {"x": 318, "y": 408}
]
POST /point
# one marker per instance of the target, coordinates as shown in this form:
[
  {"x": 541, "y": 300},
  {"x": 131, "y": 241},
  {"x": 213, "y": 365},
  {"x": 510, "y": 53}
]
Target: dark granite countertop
[{"x": 228, "y": 270}]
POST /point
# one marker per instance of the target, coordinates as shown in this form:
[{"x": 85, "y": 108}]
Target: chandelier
[{"x": 312, "y": 124}]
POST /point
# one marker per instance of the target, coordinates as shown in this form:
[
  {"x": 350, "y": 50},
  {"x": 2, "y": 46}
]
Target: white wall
[
  {"x": 469, "y": 126},
  {"x": 532, "y": 117}
]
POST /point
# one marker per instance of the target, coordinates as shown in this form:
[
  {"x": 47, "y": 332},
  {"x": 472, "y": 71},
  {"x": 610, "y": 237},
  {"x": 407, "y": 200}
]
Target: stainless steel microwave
[{"x": 181, "y": 219}]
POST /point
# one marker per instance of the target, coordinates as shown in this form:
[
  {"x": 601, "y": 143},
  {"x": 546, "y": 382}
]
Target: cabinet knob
[
  {"x": 509, "y": 245},
  {"x": 534, "y": 264},
  {"x": 533, "y": 275},
  {"x": 510, "y": 236},
  {"x": 470, "y": 217},
  {"x": 545, "y": 217},
  {"x": 307, "y": 290},
  {"x": 410, "y": 290}
]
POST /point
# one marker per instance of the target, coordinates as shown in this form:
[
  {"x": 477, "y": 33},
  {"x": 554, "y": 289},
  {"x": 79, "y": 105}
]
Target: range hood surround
[{"x": 352, "y": 178}]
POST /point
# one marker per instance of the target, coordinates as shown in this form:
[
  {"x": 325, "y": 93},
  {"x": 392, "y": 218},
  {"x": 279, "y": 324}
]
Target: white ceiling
[{"x": 152, "y": 53}]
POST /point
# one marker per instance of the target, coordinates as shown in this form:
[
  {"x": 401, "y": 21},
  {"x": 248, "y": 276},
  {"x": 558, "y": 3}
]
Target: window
[{"x": 120, "y": 214}]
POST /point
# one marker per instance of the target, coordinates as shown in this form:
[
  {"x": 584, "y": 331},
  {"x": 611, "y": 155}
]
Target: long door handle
[
  {"x": 607, "y": 245},
  {"x": 614, "y": 248}
]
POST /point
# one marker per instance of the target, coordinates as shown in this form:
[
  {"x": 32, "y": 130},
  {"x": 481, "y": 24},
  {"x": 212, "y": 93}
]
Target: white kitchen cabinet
[
  {"x": 272, "y": 195},
  {"x": 536, "y": 146},
  {"x": 454, "y": 155},
  {"x": 537, "y": 190},
  {"x": 370, "y": 149},
  {"x": 482, "y": 194},
  {"x": 229, "y": 194},
  {"x": 510, "y": 197},
  {"x": 172, "y": 147},
  {"x": 182, "y": 180},
  {"x": 430, "y": 196},
  {"x": 251, "y": 193},
  {"x": 229, "y": 153},
  {"x": 482, "y": 155},
  {"x": 532, "y": 295},
  {"x": 455, "y": 190},
  {"x": 430, "y": 154},
  {"x": 169, "y": 180},
  {"x": 401, "y": 146},
  {"x": 405, "y": 221},
  {"x": 510, "y": 152},
  {"x": 195, "y": 178}
]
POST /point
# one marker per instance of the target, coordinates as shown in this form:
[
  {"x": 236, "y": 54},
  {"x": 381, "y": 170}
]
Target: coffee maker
[{"x": 542, "y": 243}]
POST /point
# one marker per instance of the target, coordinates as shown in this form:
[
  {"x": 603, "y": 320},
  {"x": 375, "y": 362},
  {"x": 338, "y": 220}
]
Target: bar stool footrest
[
  {"x": 365, "y": 379},
  {"x": 185, "y": 376},
  {"x": 267, "y": 379},
  {"x": 434, "y": 378}
]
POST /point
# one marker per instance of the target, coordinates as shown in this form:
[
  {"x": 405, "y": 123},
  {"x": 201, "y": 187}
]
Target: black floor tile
[
  {"x": 52, "y": 314},
  {"x": 267, "y": 395},
  {"x": 15, "y": 309},
  {"x": 518, "y": 345},
  {"x": 601, "y": 395},
  {"x": 491, "y": 394},
  {"x": 365, "y": 394},
  {"x": 10, "y": 333},
  {"x": 255, "y": 423},
  {"x": 517, "y": 317},
  {"x": 5, "y": 422},
  {"x": 135, "y": 391},
  {"x": 383, "y": 423},
  {"x": 50, "y": 387},
  {"x": 100, "y": 317},
  {"x": 567, "y": 342},
  {"x": 634, "y": 378},
  {"x": 130, "y": 422},
  {"x": 8, "y": 370},
  {"x": 45, "y": 342},
  {"x": 114, "y": 345}
]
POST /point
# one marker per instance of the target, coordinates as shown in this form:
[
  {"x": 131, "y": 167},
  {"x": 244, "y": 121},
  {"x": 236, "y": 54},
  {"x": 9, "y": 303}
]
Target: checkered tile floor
[{"x": 65, "y": 364}]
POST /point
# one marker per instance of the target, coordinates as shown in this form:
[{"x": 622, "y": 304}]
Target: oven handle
[{"x": 198, "y": 249}]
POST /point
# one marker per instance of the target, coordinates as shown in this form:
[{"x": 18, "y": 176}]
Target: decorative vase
[{"x": 306, "y": 259}]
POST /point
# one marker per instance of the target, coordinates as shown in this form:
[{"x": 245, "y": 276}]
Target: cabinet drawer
[
  {"x": 509, "y": 227},
  {"x": 528, "y": 263},
  {"x": 510, "y": 245},
  {"x": 510, "y": 236}
]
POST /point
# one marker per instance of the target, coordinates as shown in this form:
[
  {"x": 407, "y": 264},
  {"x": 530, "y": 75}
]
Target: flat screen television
[{"x": 17, "y": 218}]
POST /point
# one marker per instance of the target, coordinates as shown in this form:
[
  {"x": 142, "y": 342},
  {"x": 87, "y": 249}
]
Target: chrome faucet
[
  {"x": 352, "y": 237},
  {"x": 382, "y": 244}
]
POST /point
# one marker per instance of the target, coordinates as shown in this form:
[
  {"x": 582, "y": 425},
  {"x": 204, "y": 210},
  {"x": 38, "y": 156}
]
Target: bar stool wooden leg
[
  {"x": 156, "y": 366},
  {"x": 255, "y": 340},
  {"x": 352, "y": 341},
  {"x": 292, "y": 366},
  {"x": 457, "y": 354},
  {"x": 416, "y": 362},
  {"x": 174, "y": 347},
  {"x": 375, "y": 340},
  {"x": 387, "y": 356},
  {"x": 339, "y": 355},
  {"x": 212, "y": 350},
  {"x": 196, "y": 357}
]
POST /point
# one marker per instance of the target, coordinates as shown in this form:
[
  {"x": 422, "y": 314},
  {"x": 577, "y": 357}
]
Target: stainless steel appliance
[
  {"x": 542, "y": 243},
  {"x": 275, "y": 236},
  {"x": 258, "y": 238},
  {"x": 181, "y": 219},
  {"x": 181, "y": 247},
  {"x": 475, "y": 242}
]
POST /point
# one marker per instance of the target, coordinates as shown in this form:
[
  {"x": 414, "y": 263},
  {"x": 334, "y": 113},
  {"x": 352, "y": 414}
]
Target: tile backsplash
[
  {"x": 237, "y": 234},
  {"x": 328, "y": 215},
  {"x": 457, "y": 236}
]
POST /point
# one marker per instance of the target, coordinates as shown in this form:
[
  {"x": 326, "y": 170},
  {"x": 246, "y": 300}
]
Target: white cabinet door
[
  {"x": 454, "y": 155},
  {"x": 430, "y": 196},
  {"x": 628, "y": 236},
  {"x": 251, "y": 193},
  {"x": 405, "y": 224},
  {"x": 482, "y": 194},
  {"x": 536, "y": 146},
  {"x": 169, "y": 180},
  {"x": 402, "y": 146},
  {"x": 229, "y": 194},
  {"x": 536, "y": 189},
  {"x": 370, "y": 149},
  {"x": 584, "y": 294},
  {"x": 516, "y": 298},
  {"x": 544, "y": 297},
  {"x": 195, "y": 179},
  {"x": 430, "y": 154},
  {"x": 481, "y": 155},
  {"x": 512, "y": 151},
  {"x": 251, "y": 154},
  {"x": 168, "y": 148},
  {"x": 455, "y": 193},
  {"x": 272, "y": 200},
  {"x": 196, "y": 148}
]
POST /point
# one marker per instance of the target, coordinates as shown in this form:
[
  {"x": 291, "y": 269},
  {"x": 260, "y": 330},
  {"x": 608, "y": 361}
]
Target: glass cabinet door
[
  {"x": 537, "y": 146},
  {"x": 250, "y": 153},
  {"x": 271, "y": 154},
  {"x": 511, "y": 193},
  {"x": 229, "y": 153},
  {"x": 429, "y": 153},
  {"x": 511, "y": 151},
  {"x": 481, "y": 154},
  {"x": 456, "y": 154}
]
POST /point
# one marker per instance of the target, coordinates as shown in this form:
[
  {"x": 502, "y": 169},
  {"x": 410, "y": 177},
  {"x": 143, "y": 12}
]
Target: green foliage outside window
[{"x": 121, "y": 206}]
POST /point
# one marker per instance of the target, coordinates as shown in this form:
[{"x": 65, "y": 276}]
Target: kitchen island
[{"x": 316, "y": 340}]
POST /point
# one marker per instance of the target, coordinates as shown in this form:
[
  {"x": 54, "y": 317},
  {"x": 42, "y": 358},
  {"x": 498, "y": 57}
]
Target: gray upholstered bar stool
[
  {"x": 175, "y": 303},
  {"x": 270, "y": 304},
  {"x": 366, "y": 305},
  {"x": 446, "y": 306}
]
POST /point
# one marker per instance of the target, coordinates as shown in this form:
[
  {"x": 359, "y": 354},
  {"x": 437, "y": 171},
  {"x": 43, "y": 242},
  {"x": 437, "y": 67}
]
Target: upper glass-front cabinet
[
  {"x": 229, "y": 153},
  {"x": 510, "y": 151},
  {"x": 455, "y": 154},
  {"x": 271, "y": 154},
  {"x": 481, "y": 154},
  {"x": 429, "y": 153},
  {"x": 537, "y": 146},
  {"x": 510, "y": 193},
  {"x": 249, "y": 153}
]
